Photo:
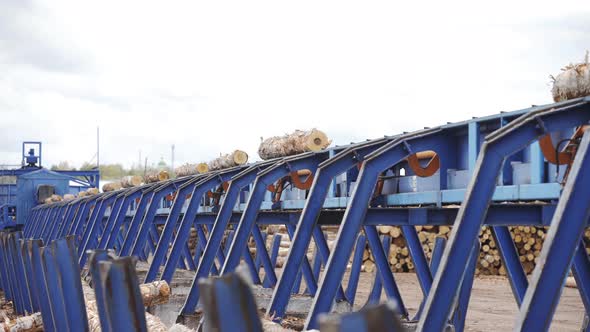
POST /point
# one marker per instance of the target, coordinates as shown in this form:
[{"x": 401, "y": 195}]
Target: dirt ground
[{"x": 491, "y": 307}]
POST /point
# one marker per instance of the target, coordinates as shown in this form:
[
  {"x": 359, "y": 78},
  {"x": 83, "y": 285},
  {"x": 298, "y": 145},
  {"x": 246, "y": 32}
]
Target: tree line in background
[{"x": 113, "y": 171}]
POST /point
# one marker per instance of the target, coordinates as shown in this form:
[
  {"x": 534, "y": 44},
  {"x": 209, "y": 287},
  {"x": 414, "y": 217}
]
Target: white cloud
[{"x": 214, "y": 76}]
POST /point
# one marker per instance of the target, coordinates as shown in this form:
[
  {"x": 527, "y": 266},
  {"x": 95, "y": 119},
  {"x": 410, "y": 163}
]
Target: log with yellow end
[
  {"x": 294, "y": 143},
  {"x": 158, "y": 176},
  {"x": 130, "y": 181},
  {"x": 236, "y": 158}
]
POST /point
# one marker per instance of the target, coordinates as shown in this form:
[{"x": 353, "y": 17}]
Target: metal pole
[{"x": 97, "y": 147}]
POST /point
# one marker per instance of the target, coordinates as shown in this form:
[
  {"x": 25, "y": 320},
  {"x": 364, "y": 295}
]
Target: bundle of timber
[
  {"x": 285, "y": 244},
  {"x": 528, "y": 241},
  {"x": 572, "y": 82},
  {"x": 158, "y": 176},
  {"x": 297, "y": 142},
  {"x": 235, "y": 158},
  {"x": 191, "y": 169},
  {"x": 111, "y": 186},
  {"x": 131, "y": 181},
  {"x": 399, "y": 254},
  {"x": 489, "y": 262}
]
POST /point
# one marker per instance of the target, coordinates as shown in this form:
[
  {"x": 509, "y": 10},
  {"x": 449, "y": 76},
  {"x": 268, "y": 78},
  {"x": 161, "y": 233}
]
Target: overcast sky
[{"x": 213, "y": 76}]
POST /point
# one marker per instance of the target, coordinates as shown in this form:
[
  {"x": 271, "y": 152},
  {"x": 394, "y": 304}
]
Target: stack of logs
[{"x": 527, "y": 239}]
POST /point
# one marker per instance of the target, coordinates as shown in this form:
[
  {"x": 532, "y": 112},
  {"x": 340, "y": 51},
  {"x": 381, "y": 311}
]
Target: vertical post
[
  {"x": 563, "y": 238},
  {"x": 473, "y": 144},
  {"x": 70, "y": 283},
  {"x": 122, "y": 295}
]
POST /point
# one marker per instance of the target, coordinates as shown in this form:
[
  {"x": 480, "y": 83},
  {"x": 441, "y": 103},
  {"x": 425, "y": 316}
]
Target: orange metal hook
[{"x": 432, "y": 166}]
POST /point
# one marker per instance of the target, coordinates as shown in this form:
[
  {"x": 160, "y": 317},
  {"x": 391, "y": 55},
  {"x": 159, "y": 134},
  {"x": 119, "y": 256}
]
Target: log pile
[
  {"x": 527, "y": 239},
  {"x": 573, "y": 81},
  {"x": 297, "y": 142},
  {"x": 158, "y": 176},
  {"x": 233, "y": 159}
]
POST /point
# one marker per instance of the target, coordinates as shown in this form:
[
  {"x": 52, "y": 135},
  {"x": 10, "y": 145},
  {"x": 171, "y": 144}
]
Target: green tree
[
  {"x": 63, "y": 165},
  {"x": 112, "y": 171}
]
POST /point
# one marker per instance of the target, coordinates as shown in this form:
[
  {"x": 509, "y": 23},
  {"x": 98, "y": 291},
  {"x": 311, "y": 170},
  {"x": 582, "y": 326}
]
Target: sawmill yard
[{"x": 269, "y": 166}]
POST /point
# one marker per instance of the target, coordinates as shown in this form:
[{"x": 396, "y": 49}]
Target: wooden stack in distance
[
  {"x": 527, "y": 239},
  {"x": 297, "y": 142}
]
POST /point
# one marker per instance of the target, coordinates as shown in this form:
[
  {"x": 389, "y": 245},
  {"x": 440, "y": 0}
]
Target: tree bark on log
[
  {"x": 294, "y": 143},
  {"x": 69, "y": 197},
  {"x": 156, "y": 176},
  {"x": 573, "y": 82},
  {"x": 154, "y": 323},
  {"x": 30, "y": 323},
  {"x": 191, "y": 169},
  {"x": 153, "y": 293},
  {"x": 131, "y": 181},
  {"x": 235, "y": 158},
  {"x": 111, "y": 186}
]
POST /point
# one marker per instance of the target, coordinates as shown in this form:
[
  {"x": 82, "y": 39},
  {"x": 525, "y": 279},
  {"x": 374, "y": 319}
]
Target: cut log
[
  {"x": 56, "y": 198},
  {"x": 202, "y": 168},
  {"x": 186, "y": 169},
  {"x": 111, "y": 186},
  {"x": 572, "y": 82},
  {"x": 156, "y": 176},
  {"x": 384, "y": 229},
  {"x": 571, "y": 282},
  {"x": 369, "y": 266},
  {"x": 233, "y": 159},
  {"x": 154, "y": 324},
  {"x": 69, "y": 197},
  {"x": 30, "y": 323},
  {"x": 154, "y": 293},
  {"x": 395, "y": 232},
  {"x": 297, "y": 142},
  {"x": 131, "y": 181}
]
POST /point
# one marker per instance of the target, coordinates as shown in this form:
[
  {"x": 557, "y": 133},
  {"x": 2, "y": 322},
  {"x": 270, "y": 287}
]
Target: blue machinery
[
  {"x": 30, "y": 184},
  {"x": 489, "y": 165}
]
